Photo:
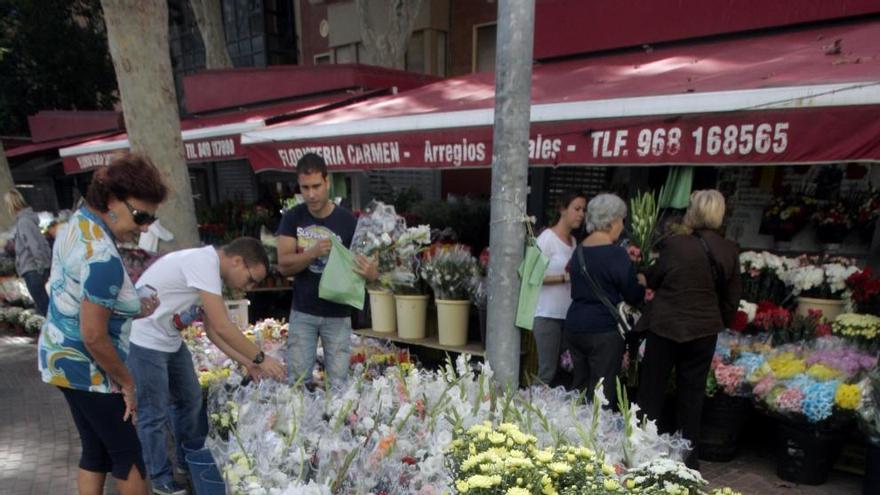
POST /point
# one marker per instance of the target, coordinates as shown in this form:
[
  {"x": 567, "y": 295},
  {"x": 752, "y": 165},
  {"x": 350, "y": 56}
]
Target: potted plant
[
  {"x": 786, "y": 216},
  {"x": 451, "y": 271},
  {"x": 820, "y": 286},
  {"x": 378, "y": 228},
  {"x": 410, "y": 291},
  {"x": 833, "y": 223}
]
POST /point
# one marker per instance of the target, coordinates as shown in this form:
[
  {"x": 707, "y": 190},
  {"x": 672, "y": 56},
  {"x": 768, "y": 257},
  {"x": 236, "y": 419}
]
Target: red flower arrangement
[
  {"x": 771, "y": 317},
  {"x": 865, "y": 290},
  {"x": 740, "y": 322}
]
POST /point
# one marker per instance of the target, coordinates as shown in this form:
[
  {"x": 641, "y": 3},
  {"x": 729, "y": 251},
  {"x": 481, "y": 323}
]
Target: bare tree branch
[{"x": 209, "y": 17}]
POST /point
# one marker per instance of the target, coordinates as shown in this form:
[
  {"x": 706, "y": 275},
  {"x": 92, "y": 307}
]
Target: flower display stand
[
  {"x": 723, "y": 420},
  {"x": 805, "y": 453},
  {"x": 411, "y": 316},
  {"x": 383, "y": 311},
  {"x": 452, "y": 321},
  {"x": 830, "y": 307}
]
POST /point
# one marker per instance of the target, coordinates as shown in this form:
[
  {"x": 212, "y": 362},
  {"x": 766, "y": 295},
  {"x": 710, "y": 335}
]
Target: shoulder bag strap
[
  {"x": 714, "y": 266},
  {"x": 622, "y": 326}
]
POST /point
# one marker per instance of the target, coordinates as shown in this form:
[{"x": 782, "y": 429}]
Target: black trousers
[
  {"x": 691, "y": 361},
  {"x": 595, "y": 356}
]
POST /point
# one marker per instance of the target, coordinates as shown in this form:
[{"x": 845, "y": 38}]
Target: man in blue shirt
[{"x": 303, "y": 249}]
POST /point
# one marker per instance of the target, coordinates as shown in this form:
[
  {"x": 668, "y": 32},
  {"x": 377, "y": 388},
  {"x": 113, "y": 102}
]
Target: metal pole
[{"x": 510, "y": 164}]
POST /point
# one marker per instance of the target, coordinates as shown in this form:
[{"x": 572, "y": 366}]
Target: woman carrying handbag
[{"x": 697, "y": 290}]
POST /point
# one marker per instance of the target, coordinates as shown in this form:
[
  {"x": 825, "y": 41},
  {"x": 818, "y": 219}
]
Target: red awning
[
  {"x": 34, "y": 148},
  {"x": 208, "y": 137},
  {"x": 806, "y": 95}
]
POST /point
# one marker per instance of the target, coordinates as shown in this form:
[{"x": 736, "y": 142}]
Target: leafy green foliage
[{"x": 53, "y": 55}]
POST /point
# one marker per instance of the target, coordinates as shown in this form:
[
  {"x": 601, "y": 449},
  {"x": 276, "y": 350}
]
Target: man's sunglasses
[{"x": 140, "y": 217}]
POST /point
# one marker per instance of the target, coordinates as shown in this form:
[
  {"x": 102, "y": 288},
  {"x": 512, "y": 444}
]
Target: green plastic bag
[
  {"x": 339, "y": 283},
  {"x": 531, "y": 273}
]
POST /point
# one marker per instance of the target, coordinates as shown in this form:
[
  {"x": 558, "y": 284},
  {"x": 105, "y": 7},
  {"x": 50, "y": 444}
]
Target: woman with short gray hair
[{"x": 590, "y": 327}]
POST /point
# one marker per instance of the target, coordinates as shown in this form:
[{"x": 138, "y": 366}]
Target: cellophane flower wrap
[
  {"x": 378, "y": 229},
  {"x": 736, "y": 357},
  {"x": 405, "y": 278},
  {"x": 395, "y": 433},
  {"x": 451, "y": 271}
]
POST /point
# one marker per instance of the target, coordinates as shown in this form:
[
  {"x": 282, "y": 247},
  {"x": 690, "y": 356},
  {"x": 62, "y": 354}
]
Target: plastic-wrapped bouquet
[
  {"x": 395, "y": 434},
  {"x": 378, "y": 228},
  {"x": 451, "y": 271},
  {"x": 869, "y": 409},
  {"x": 405, "y": 277},
  {"x": 737, "y": 356}
]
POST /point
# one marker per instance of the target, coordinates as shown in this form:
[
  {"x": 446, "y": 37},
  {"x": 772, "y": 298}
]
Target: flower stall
[{"x": 801, "y": 363}]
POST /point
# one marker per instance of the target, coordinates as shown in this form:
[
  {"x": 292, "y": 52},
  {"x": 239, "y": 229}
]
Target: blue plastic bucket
[
  {"x": 211, "y": 484},
  {"x": 200, "y": 462},
  {"x": 193, "y": 445}
]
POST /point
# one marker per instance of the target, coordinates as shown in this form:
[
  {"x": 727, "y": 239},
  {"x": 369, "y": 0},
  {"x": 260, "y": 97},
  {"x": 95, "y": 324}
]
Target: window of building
[
  {"x": 346, "y": 54},
  {"x": 426, "y": 52},
  {"x": 484, "y": 47},
  {"x": 280, "y": 32},
  {"x": 244, "y": 26},
  {"x": 323, "y": 58}
]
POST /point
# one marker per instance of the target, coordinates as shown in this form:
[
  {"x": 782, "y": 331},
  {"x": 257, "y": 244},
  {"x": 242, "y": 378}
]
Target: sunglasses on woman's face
[{"x": 140, "y": 217}]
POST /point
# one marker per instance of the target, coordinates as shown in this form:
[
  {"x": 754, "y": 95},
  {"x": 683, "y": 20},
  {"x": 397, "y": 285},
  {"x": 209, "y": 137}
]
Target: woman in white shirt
[{"x": 557, "y": 244}]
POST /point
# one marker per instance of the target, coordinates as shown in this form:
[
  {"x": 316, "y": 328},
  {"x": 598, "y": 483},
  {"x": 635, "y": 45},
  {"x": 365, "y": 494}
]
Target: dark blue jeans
[
  {"x": 166, "y": 383},
  {"x": 35, "y": 280}
]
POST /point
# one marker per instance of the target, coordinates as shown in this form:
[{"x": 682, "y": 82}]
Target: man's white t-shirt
[
  {"x": 177, "y": 277},
  {"x": 554, "y": 299}
]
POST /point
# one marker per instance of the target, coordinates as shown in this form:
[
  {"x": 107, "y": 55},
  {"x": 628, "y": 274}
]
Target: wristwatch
[{"x": 260, "y": 357}]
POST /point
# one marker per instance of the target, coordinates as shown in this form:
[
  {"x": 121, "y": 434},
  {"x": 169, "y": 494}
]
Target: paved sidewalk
[{"x": 39, "y": 444}]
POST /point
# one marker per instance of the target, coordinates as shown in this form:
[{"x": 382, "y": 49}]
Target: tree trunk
[
  {"x": 209, "y": 17},
  {"x": 137, "y": 31},
  {"x": 387, "y": 47},
  {"x": 6, "y": 183},
  {"x": 510, "y": 167}
]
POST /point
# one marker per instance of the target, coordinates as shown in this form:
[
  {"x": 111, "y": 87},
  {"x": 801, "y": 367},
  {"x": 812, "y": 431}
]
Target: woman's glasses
[{"x": 140, "y": 217}]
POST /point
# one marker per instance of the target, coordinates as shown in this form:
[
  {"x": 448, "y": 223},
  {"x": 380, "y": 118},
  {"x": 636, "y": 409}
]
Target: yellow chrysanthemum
[{"x": 848, "y": 396}]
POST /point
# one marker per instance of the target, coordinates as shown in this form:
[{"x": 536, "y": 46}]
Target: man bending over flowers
[{"x": 189, "y": 284}]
